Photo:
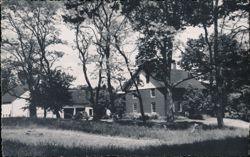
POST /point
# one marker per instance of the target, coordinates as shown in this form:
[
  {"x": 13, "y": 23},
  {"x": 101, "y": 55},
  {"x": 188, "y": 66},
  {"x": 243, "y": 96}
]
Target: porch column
[{"x": 74, "y": 112}]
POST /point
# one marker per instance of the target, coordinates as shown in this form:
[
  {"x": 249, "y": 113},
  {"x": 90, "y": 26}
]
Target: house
[
  {"x": 80, "y": 103},
  {"x": 152, "y": 92},
  {"x": 14, "y": 104}
]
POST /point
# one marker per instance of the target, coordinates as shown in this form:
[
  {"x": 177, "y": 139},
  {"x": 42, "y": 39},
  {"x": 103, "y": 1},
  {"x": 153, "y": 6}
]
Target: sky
[{"x": 70, "y": 63}]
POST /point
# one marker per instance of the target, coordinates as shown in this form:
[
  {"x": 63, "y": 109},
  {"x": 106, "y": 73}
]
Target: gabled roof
[
  {"x": 14, "y": 93},
  {"x": 79, "y": 96},
  {"x": 179, "y": 75},
  {"x": 176, "y": 76}
]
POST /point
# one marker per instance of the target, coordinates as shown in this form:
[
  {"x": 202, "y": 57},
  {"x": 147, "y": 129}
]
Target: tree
[
  {"x": 83, "y": 40},
  {"x": 152, "y": 17},
  {"x": 54, "y": 91},
  {"x": 8, "y": 79},
  {"x": 104, "y": 20},
  {"x": 196, "y": 102},
  {"x": 158, "y": 22},
  {"x": 100, "y": 14},
  {"x": 33, "y": 28},
  {"x": 133, "y": 77},
  {"x": 234, "y": 62},
  {"x": 211, "y": 13}
]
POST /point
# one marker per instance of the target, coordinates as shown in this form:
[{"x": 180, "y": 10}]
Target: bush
[
  {"x": 132, "y": 116},
  {"x": 238, "y": 115},
  {"x": 195, "y": 103},
  {"x": 152, "y": 115},
  {"x": 81, "y": 116},
  {"x": 137, "y": 116},
  {"x": 196, "y": 116}
]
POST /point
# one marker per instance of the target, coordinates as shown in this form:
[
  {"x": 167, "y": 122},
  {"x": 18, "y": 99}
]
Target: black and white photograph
[{"x": 125, "y": 78}]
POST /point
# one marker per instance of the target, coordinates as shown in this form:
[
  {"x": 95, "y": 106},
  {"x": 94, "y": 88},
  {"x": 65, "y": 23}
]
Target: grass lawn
[{"x": 53, "y": 137}]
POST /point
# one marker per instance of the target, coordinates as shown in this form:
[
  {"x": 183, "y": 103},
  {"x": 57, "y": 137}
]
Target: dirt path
[
  {"x": 228, "y": 122},
  {"x": 68, "y": 138}
]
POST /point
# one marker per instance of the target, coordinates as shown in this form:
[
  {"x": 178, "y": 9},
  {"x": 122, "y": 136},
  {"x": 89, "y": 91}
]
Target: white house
[{"x": 17, "y": 106}]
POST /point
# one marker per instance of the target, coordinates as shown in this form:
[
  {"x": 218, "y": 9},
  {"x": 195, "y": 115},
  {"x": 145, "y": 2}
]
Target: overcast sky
[{"x": 70, "y": 62}]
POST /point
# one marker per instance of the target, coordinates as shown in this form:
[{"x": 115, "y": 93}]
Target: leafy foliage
[
  {"x": 196, "y": 102},
  {"x": 234, "y": 61},
  {"x": 33, "y": 31},
  {"x": 239, "y": 104},
  {"x": 54, "y": 91},
  {"x": 8, "y": 79}
]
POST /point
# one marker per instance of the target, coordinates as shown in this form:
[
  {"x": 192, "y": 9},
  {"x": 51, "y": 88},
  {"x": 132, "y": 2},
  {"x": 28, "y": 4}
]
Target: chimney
[{"x": 173, "y": 65}]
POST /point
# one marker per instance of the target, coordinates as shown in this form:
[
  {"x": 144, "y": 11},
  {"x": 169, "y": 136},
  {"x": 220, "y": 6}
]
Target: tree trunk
[
  {"x": 141, "y": 106},
  {"x": 134, "y": 82},
  {"x": 210, "y": 57},
  {"x": 167, "y": 79},
  {"x": 44, "y": 113},
  {"x": 168, "y": 103},
  {"x": 110, "y": 90},
  {"x": 95, "y": 116},
  {"x": 32, "y": 110},
  {"x": 32, "y": 106},
  {"x": 218, "y": 70}
]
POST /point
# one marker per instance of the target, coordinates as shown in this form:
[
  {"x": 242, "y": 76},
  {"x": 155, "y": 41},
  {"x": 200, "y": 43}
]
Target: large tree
[
  {"x": 54, "y": 91},
  {"x": 29, "y": 31},
  {"x": 234, "y": 62},
  {"x": 104, "y": 21},
  {"x": 100, "y": 16},
  {"x": 215, "y": 14},
  {"x": 158, "y": 22}
]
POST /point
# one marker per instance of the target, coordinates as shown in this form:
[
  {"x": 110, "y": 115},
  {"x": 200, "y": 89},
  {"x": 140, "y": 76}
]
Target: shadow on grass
[
  {"x": 168, "y": 125},
  {"x": 226, "y": 147},
  {"x": 87, "y": 126}
]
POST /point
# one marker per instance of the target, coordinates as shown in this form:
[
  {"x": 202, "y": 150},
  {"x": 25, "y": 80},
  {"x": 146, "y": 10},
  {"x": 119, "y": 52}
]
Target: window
[
  {"x": 90, "y": 112},
  {"x": 133, "y": 96},
  {"x": 152, "y": 93},
  {"x": 134, "y": 107},
  {"x": 153, "y": 107}
]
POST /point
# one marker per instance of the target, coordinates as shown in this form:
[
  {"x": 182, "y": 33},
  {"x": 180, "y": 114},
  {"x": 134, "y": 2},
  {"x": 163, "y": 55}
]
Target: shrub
[
  {"x": 196, "y": 116},
  {"x": 238, "y": 104},
  {"x": 195, "y": 103},
  {"x": 81, "y": 115},
  {"x": 153, "y": 115},
  {"x": 137, "y": 116},
  {"x": 132, "y": 116}
]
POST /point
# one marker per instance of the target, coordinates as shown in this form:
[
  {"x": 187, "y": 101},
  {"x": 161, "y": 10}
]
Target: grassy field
[
  {"x": 43, "y": 137},
  {"x": 226, "y": 147}
]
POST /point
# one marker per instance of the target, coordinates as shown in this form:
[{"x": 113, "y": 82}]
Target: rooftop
[{"x": 177, "y": 75}]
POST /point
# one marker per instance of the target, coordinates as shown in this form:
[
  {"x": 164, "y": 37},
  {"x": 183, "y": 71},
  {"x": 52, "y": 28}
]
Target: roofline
[{"x": 140, "y": 69}]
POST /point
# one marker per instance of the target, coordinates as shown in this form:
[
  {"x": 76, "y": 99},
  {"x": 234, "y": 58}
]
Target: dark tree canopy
[{"x": 54, "y": 91}]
